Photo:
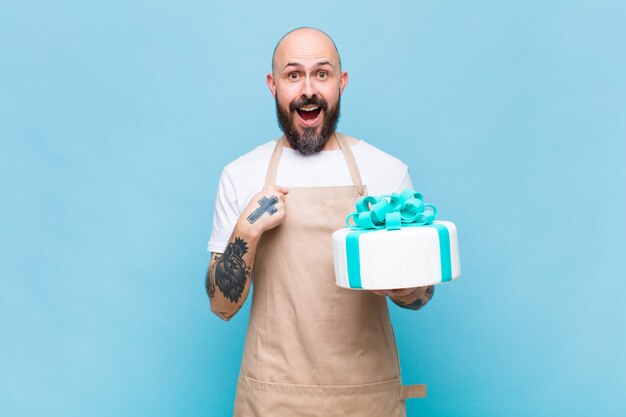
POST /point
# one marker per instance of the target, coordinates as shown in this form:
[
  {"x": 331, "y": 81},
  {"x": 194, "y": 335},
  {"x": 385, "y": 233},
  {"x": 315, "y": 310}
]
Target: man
[{"x": 312, "y": 348}]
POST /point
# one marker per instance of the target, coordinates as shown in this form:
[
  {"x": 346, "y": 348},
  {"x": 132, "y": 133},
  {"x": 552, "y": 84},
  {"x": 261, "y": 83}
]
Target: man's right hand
[
  {"x": 265, "y": 211},
  {"x": 229, "y": 275}
]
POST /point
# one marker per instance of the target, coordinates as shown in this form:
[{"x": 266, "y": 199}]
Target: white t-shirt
[{"x": 245, "y": 176}]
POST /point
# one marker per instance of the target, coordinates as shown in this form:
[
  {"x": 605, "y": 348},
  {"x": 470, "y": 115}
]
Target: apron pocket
[{"x": 271, "y": 399}]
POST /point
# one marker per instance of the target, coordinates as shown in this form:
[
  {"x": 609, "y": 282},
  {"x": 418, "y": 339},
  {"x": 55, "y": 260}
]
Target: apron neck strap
[
  {"x": 270, "y": 178},
  {"x": 352, "y": 166}
]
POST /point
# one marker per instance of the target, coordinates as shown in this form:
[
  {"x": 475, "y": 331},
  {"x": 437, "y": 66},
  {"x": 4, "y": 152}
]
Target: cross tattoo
[{"x": 267, "y": 206}]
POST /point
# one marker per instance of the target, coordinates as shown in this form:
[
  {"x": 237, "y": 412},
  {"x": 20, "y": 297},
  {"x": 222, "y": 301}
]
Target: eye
[
  {"x": 293, "y": 75},
  {"x": 322, "y": 74}
]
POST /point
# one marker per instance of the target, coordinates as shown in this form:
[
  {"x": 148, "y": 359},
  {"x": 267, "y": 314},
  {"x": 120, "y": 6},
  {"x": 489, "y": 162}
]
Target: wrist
[
  {"x": 247, "y": 231},
  {"x": 407, "y": 298}
]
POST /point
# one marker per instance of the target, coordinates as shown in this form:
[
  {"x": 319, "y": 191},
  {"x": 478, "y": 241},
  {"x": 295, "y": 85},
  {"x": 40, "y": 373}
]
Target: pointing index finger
[
  {"x": 283, "y": 190},
  {"x": 275, "y": 189}
]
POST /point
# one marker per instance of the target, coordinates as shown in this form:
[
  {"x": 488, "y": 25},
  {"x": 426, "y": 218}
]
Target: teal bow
[{"x": 392, "y": 211}]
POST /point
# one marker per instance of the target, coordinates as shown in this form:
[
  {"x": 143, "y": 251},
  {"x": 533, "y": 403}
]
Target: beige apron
[{"x": 312, "y": 348}]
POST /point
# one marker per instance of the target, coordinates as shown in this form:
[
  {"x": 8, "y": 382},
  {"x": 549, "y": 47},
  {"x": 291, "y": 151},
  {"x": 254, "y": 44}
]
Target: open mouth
[{"x": 309, "y": 113}]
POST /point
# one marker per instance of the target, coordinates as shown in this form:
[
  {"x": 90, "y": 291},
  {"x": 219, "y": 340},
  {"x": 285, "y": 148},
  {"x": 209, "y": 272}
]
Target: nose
[{"x": 308, "y": 90}]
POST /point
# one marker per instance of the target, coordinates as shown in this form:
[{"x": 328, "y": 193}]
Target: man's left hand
[
  {"x": 396, "y": 294},
  {"x": 411, "y": 298}
]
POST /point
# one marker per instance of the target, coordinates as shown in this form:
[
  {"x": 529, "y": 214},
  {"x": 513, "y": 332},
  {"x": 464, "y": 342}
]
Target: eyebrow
[{"x": 319, "y": 64}]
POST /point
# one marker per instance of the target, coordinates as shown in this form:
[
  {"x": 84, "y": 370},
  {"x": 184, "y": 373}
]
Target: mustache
[{"x": 304, "y": 101}]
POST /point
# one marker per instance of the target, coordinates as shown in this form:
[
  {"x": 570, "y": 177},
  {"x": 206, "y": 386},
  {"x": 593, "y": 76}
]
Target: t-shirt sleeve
[
  {"x": 405, "y": 183},
  {"x": 225, "y": 216}
]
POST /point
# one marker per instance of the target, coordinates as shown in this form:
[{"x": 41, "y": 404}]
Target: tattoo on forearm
[
  {"x": 210, "y": 280},
  {"x": 415, "y": 305},
  {"x": 267, "y": 206},
  {"x": 420, "y": 302},
  {"x": 231, "y": 271},
  {"x": 430, "y": 291}
]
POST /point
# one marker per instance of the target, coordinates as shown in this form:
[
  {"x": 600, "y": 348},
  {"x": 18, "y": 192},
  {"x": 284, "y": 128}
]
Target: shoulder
[
  {"x": 381, "y": 171},
  {"x": 366, "y": 151},
  {"x": 250, "y": 164},
  {"x": 245, "y": 176},
  {"x": 370, "y": 151}
]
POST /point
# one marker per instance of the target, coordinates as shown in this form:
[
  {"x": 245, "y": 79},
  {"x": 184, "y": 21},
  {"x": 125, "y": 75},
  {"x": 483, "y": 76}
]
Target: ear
[
  {"x": 271, "y": 84},
  {"x": 343, "y": 81}
]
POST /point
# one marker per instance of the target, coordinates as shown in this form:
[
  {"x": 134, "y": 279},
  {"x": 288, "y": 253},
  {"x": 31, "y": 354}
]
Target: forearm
[
  {"x": 417, "y": 299},
  {"x": 229, "y": 274}
]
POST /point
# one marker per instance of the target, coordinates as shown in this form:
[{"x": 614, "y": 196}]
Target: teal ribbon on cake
[{"x": 392, "y": 212}]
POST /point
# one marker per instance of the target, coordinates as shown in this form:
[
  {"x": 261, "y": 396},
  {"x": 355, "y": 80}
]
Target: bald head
[
  {"x": 307, "y": 83},
  {"x": 305, "y": 42}
]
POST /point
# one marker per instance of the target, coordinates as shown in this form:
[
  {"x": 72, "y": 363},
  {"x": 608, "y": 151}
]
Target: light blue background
[{"x": 117, "y": 117}]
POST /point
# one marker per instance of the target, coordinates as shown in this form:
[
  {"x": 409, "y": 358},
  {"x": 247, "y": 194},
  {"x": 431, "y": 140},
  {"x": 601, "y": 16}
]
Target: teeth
[{"x": 310, "y": 107}]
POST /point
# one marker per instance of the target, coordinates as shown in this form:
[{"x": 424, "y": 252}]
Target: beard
[{"x": 309, "y": 141}]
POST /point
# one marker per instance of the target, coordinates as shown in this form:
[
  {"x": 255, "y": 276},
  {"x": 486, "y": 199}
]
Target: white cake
[{"x": 413, "y": 256}]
